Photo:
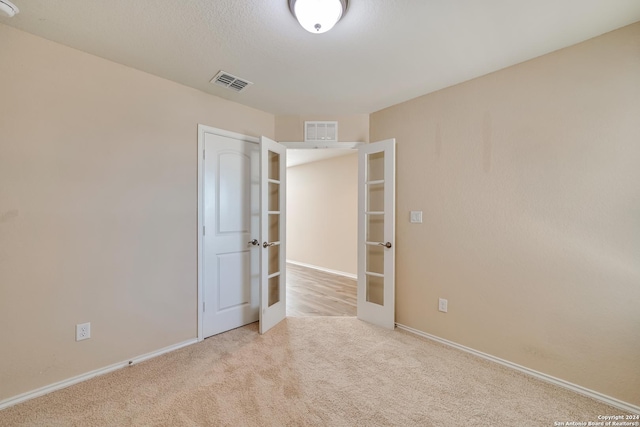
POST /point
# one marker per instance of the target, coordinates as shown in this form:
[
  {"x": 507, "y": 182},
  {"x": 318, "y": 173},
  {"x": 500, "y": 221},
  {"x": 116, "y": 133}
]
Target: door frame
[{"x": 202, "y": 130}]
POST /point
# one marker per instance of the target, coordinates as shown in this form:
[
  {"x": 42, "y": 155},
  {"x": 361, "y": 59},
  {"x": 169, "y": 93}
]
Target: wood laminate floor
[{"x": 316, "y": 293}]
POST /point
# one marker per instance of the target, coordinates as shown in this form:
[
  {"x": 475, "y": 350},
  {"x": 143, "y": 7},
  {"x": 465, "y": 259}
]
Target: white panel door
[
  {"x": 273, "y": 221},
  {"x": 231, "y": 221},
  {"x": 376, "y": 233}
]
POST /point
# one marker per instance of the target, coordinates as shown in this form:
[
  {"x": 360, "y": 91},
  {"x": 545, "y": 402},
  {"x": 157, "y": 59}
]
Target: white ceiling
[{"x": 382, "y": 52}]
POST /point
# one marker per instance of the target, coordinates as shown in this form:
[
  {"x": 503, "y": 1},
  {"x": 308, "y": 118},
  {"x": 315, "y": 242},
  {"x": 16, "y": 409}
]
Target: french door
[
  {"x": 273, "y": 239},
  {"x": 376, "y": 233}
]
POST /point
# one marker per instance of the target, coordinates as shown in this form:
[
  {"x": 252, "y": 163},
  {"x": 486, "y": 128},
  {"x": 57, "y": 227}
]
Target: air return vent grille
[
  {"x": 320, "y": 131},
  {"x": 230, "y": 81}
]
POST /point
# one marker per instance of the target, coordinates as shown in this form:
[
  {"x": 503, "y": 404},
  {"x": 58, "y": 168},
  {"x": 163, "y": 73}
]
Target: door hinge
[
  {"x": 203, "y": 306},
  {"x": 203, "y": 154},
  {"x": 204, "y": 232}
]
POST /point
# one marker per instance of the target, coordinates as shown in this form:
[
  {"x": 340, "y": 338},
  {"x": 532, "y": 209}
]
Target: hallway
[{"x": 312, "y": 292}]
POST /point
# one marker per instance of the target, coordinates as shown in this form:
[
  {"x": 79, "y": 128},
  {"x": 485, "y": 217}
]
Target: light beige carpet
[{"x": 318, "y": 371}]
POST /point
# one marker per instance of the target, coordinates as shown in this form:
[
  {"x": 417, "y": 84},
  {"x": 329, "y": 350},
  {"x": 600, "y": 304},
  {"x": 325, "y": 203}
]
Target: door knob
[
  {"x": 254, "y": 242},
  {"x": 266, "y": 245},
  {"x": 386, "y": 245}
]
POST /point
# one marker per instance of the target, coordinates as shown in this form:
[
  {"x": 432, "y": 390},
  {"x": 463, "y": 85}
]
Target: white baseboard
[
  {"x": 83, "y": 377},
  {"x": 326, "y": 270},
  {"x": 539, "y": 375}
]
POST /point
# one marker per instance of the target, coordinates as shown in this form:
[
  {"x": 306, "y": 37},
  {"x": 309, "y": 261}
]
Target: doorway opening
[
  {"x": 372, "y": 220},
  {"x": 322, "y": 232}
]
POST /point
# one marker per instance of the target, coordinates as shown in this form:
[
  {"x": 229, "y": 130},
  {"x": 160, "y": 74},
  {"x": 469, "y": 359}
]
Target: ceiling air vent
[
  {"x": 320, "y": 131},
  {"x": 230, "y": 81}
]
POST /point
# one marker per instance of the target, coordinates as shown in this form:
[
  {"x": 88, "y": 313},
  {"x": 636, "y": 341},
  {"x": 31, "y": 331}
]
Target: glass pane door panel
[
  {"x": 375, "y": 228},
  {"x": 375, "y": 289},
  {"x": 375, "y": 166},
  {"x": 375, "y": 259},
  {"x": 375, "y": 197},
  {"x": 274, "y": 290},
  {"x": 273, "y": 259},
  {"x": 273, "y": 252},
  {"x": 274, "y": 227},
  {"x": 274, "y": 166},
  {"x": 274, "y": 196},
  {"x": 374, "y": 254}
]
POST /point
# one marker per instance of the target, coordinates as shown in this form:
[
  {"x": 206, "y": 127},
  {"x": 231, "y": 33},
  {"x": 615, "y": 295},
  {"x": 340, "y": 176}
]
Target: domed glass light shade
[
  {"x": 8, "y": 8},
  {"x": 318, "y": 16}
]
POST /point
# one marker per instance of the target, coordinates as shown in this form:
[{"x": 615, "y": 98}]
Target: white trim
[
  {"x": 199, "y": 313},
  {"x": 320, "y": 144},
  {"x": 88, "y": 375},
  {"x": 536, "y": 374},
  {"x": 326, "y": 270},
  {"x": 202, "y": 130}
]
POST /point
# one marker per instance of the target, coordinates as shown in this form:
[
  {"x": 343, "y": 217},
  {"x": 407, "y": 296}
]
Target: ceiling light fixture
[
  {"x": 318, "y": 16},
  {"x": 9, "y": 8}
]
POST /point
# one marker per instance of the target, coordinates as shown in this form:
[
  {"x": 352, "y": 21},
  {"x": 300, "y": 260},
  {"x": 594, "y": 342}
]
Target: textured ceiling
[{"x": 382, "y": 52}]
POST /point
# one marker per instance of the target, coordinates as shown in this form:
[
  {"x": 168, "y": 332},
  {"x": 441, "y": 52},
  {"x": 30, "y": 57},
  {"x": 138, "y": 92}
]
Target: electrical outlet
[
  {"x": 442, "y": 305},
  {"x": 83, "y": 331}
]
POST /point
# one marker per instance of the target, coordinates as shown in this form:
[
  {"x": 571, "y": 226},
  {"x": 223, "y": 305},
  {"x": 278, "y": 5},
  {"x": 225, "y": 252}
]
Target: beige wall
[
  {"x": 322, "y": 217},
  {"x": 98, "y": 202},
  {"x": 529, "y": 179},
  {"x": 351, "y": 128}
]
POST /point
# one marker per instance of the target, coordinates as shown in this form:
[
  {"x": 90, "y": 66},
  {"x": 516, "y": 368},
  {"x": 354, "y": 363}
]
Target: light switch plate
[
  {"x": 443, "y": 305},
  {"x": 416, "y": 217}
]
